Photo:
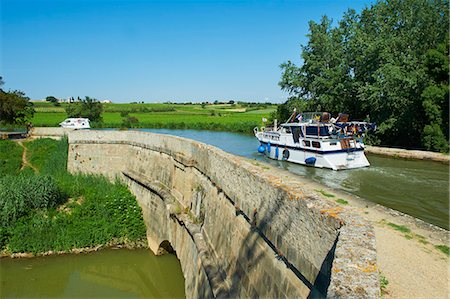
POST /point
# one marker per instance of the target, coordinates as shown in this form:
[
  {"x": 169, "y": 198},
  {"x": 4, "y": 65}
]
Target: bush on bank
[
  {"x": 20, "y": 195},
  {"x": 58, "y": 211},
  {"x": 10, "y": 157}
]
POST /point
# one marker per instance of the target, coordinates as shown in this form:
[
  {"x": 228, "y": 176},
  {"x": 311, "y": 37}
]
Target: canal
[
  {"x": 417, "y": 188},
  {"x": 109, "y": 273}
]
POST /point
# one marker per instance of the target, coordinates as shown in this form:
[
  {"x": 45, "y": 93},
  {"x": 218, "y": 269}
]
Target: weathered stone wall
[
  {"x": 49, "y": 132},
  {"x": 239, "y": 229}
]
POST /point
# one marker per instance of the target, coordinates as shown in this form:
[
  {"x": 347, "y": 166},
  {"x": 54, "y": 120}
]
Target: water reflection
[{"x": 104, "y": 274}]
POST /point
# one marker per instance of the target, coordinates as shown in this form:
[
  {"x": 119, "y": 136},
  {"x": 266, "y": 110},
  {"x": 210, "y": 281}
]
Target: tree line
[{"x": 389, "y": 63}]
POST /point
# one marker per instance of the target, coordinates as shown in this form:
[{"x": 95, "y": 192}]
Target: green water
[
  {"x": 417, "y": 188},
  {"x": 107, "y": 273}
]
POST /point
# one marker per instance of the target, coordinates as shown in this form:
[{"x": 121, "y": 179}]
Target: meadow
[
  {"x": 48, "y": 209},
  {"x": 224, "y": 117}
]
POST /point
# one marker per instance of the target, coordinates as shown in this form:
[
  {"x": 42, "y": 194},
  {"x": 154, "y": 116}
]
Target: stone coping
[{"x": 408, "y": 154}]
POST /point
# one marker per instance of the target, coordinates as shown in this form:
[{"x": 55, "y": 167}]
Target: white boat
[
  {"x": 316, "y": 139},
  {"x": 76, "y": 123}
]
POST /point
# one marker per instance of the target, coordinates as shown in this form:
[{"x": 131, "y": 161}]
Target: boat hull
[{"x": 336, "y": 160}]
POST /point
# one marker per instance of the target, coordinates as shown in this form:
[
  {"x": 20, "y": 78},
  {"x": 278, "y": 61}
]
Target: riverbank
[
  {"x": 115, "y": 244},
  {"x": 411, "y": 253},
  {"x": 46, "y": 210},
  {"x": 408, "y": 154}
]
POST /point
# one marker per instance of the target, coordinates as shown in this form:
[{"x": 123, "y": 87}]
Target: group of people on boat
[{"x": 339, "y": 126}]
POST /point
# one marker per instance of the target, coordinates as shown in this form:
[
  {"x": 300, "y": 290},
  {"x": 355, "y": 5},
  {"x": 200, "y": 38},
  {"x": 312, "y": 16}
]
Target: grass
[
  {"x": 443, "y": 248},
  {"x": 342, "y": 201},
  {"x": 224, "y": 117},
  {"x": 400, "y": 228},
  {"x": 40, "y": 151},
  {"x": 93, "y": 212},
  {"x": 10, "y": 157},
  {"x": 407, "y": 233},
  {"x": 324, "y": 193},
  {"x": 384, "y": 282}
]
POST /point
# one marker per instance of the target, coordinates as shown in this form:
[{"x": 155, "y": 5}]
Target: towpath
[{"x": 409, "y": 263}]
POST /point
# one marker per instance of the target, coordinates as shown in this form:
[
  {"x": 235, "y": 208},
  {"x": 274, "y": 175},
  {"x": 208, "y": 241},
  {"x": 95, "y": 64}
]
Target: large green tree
[
  {"x": 390, "y": 62},
  {"x": 87, "y": 108},
  {"x": 15, "y": 107}
]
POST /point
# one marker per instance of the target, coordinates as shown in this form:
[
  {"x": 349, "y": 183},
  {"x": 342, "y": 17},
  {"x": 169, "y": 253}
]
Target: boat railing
[{"x": 263, "y": 129}]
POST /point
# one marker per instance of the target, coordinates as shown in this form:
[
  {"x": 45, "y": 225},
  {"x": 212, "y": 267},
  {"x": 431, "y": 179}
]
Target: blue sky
[{"x": 155, "y": 51}]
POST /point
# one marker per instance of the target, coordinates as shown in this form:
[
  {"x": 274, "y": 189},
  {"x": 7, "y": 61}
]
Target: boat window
[
  {"x": 316, "y": 144},
  {"x": 312, "y": 130},
  {"x": 333, "y": 143},
  {"x": 306, "y": 143}
]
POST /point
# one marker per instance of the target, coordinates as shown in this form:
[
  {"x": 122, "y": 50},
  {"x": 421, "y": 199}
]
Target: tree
[
  {"x": 87, "y": 108},
  {"x": 15, "y": 107},
  {"x": 53, "y": 100},
  {"x": 435, "y": 99},
  {"x": 385, "y": 62}
]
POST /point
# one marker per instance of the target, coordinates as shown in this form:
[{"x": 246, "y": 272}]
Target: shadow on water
[{"x": 418, "y": 188}]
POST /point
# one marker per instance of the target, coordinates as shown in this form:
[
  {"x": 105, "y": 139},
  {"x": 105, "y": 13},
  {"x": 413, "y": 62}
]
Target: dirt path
[
  {"x": 25, "y": 162},
  {"x": 406, "y": 251}
]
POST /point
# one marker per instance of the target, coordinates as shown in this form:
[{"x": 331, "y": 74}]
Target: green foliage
[
  {"x": 108, "y": 212},
  {"x": 342, "y": 201},
  {"x": 98, "y": 212},
  {"x": 15, "y": 107},
  {"x": 444, "y": 249},
  {"x": 384, "y": 282},
  {"x": 87, "y": 108},
  {"x": 171, "y": 116},
  {"x": 10, "y": 157},
  {"x": 400, "y": 228},
  {"x": 390, "y": 62},
  {"x": 129, "y": 122},
  {"x": 19, "y": 195},
  {"x": 324, "y": 193},
  {"x": 53, "y": 100}
]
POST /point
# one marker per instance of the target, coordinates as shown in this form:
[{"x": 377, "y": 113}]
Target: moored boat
[{"x": 316, "y": 139}]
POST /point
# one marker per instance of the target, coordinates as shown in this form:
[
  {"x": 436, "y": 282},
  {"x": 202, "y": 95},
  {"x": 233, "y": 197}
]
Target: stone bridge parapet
[{"x": 240, "y": 228}]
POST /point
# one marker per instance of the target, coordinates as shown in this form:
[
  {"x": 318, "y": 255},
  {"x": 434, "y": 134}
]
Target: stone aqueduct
[{"x": 239, "y": 228}]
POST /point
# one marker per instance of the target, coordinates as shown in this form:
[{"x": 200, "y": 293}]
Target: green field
[{"x": 226, "y": 117}]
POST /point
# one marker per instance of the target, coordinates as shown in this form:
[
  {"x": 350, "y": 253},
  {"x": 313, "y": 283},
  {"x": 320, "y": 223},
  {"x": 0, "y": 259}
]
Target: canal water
[
  {"x": 417, "y": 188},
  {"x": 109, "y": 273}
]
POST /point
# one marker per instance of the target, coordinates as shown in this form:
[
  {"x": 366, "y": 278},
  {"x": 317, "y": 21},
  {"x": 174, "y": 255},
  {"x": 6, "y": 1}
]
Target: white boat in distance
[
  {"x": 316, "y": 139},
  {"x": 76, "y": 123}
]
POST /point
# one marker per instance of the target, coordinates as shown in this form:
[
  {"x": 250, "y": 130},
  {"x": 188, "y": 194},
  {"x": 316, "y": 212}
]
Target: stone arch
[{"x": 165, "y": 247}]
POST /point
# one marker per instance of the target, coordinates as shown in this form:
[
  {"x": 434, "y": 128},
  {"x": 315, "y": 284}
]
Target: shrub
[
  {"x": 10, "y": 157},
  {"x": 19, "y": 195},
  {"x": 129, "y": 122},
  {"x": 89, "y": 108}
]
